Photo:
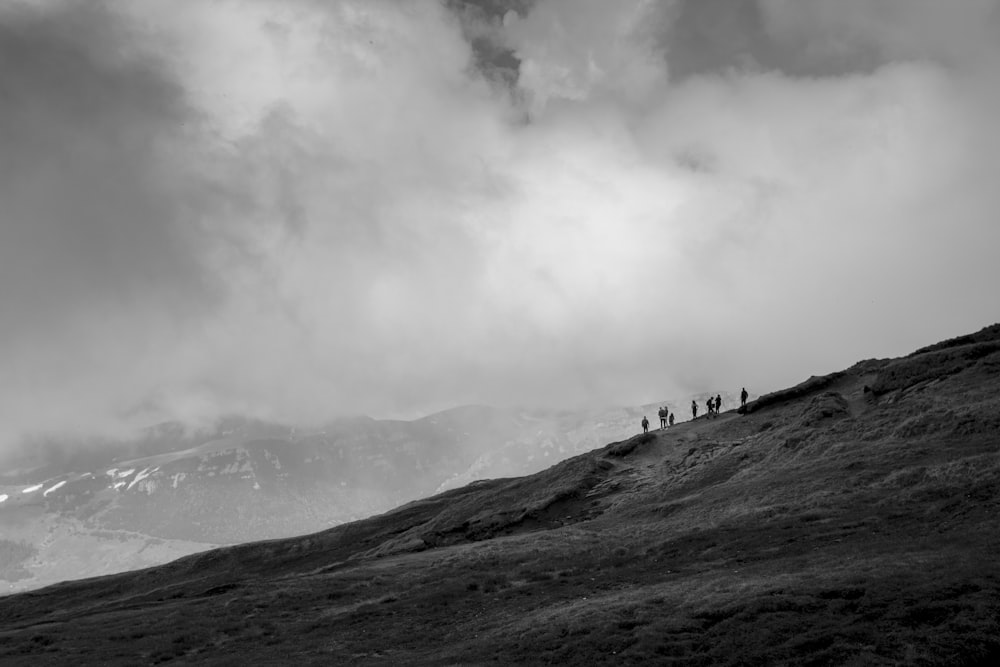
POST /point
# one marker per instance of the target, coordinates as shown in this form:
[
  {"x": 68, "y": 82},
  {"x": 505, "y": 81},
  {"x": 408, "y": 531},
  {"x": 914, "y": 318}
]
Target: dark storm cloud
[
  {"x": 482, "y": 25},
  {"x": 99, "y": 245},
  {"x": 712, "y": 36},
  {"x": 294, "y": 210},
  {"x": 92, "y": 197}
]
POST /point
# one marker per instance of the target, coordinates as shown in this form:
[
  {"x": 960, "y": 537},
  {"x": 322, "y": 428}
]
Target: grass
[
  {"x": 930, "y": 366},
  {"x": 837, "y": 534},
  {"x": 799, "y": 391}
]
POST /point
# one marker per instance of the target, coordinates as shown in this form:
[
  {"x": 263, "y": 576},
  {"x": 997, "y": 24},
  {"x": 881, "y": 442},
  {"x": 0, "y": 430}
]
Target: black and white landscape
[
  {"x": 90, "y": 510},
  {"x": 850, "y": 519},
  {"x": 327, "y": 329}
]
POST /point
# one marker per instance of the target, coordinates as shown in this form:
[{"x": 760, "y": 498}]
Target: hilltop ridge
[{"x": 847, "y": 520}]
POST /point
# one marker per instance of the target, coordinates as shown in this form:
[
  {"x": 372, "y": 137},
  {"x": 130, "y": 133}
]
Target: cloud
[
  {"x": 959, "y": 34},
  {"x": 96, "y": 231},
  {"x": 299, "y": 210},
  {"x": 87, "y": 137},
  {"x": 588, "y": 50}
]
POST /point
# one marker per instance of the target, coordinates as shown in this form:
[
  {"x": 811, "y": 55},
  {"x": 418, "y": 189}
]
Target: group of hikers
[{"x": 714, "y": 406}]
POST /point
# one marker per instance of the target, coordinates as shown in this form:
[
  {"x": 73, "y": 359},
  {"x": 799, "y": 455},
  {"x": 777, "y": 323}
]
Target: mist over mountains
[
  {"x": 850, "y": 519},
  {"x": 242, "y": 221},
  {"x": 297, "y": 211},
  {"x": 71, "y": 510}
]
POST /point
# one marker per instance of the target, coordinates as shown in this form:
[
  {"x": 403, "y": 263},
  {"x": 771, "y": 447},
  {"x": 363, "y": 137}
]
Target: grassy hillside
[{"x": 849, "y": 520}]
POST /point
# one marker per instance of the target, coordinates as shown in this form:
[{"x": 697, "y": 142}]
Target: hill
[
  {"x": 73, "y": 510},
  {"x": 848, "y": 520}
]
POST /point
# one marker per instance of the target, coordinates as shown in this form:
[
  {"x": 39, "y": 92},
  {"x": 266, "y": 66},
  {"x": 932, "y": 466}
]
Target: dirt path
[{"x": 674, "y": 442}]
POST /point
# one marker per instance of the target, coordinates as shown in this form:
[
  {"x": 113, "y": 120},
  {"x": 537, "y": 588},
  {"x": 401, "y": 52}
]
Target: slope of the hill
[
  {"x": 73, "y": 510},
  {"x": 849, "y": 520}
]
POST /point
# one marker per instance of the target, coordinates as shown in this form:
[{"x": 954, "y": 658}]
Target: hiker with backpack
[
  {"x": 645, "y": 425},
  {"x": 671, "y": 418},
  {"x": 718, "y": 403},
  {"x": 743, "y": 397},
  {"x": 663, "y": 417}
]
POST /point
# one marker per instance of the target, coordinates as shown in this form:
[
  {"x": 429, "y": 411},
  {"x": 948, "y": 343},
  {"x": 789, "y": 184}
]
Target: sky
[{"x": 296, "y": 210}]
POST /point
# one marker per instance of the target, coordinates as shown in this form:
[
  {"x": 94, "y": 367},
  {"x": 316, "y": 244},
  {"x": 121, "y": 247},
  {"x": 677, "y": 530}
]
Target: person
[
  {"x": 718, "y": 403},
  {"x": 645, "y": 425},
  {"x": 743, "y": 397},
  {"x": 710, "y": 403},
  {"x": 671, "y": 418},
  {"x": 663, "y": 417},
  {"x": 694, "y": 410}
]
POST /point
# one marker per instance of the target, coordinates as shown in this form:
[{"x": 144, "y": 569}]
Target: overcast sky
[{"x": 297, "y": 210}]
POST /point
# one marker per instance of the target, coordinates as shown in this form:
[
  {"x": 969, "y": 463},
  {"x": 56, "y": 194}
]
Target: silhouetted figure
[
  {"x": 694, "y": 410},
  {"x": 743, "y": 397},
  {"x": 718, "y": 403},
  {"x": 645, "y": 425},
  {"x": 710, "y": 403},
  {"x": 663, "y": 417},
  {"x": 671, "y": 418}
]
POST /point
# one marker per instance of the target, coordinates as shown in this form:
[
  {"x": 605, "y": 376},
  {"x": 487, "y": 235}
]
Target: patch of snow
[
  {"x": 3, "y": 497},
  {"x": 111, "y": 473},
  {"x": 178, "y": 477},
  {"x": 118, "y": 485},
  {"x": 53, "y": 488},
  {"x": 32, "y": 489},
  {"x": 146, "y": 472},
  {"x": 256, "y": 486},
  {"x": 126, "y": 473}
]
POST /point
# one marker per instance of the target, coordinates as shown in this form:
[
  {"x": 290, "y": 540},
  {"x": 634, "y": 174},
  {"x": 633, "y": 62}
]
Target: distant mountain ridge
[
  {"x": 850, "y": 519},
  {"x": 171, "y": 492}
]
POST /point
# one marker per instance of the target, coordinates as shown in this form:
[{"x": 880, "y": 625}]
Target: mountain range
[
  {"x": 850, "y": 519},
  {"x": 72, "y": 510}
]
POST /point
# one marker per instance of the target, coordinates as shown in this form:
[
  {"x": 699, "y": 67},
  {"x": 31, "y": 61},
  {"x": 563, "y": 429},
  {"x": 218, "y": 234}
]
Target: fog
[{"x": 299, "y": 210}]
